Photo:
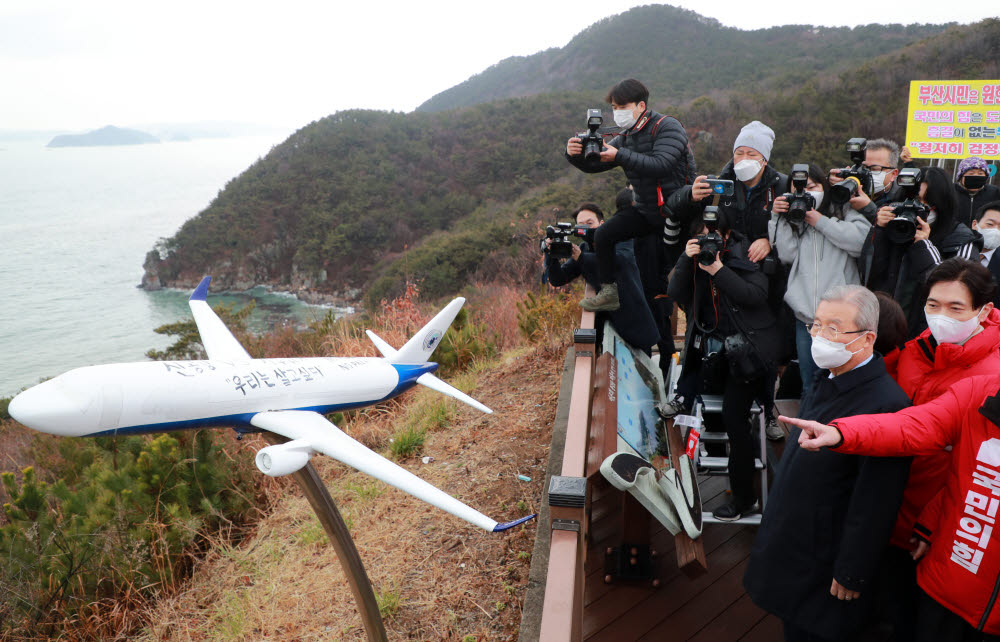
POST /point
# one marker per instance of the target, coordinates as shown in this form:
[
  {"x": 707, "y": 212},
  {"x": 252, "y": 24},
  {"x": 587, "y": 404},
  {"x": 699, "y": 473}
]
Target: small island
[{"x": 109, "y": 135}]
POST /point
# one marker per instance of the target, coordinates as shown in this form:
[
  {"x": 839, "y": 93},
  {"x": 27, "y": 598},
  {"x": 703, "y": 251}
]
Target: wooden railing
[{"x": 562, "y": 611}]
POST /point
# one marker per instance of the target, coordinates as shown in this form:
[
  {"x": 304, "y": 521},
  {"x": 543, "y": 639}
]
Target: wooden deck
[
  {"x": 711, "y": 606},
  {"x": 579, "y": 605}
]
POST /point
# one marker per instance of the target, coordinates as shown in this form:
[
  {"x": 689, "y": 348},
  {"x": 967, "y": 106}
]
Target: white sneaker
[
  {"x": 773, "y": 430},
  {"x": 672, "y": 408}
]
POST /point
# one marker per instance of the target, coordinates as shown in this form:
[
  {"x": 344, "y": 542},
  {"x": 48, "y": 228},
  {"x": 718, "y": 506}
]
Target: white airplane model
[{"x": 283, "y": 396}]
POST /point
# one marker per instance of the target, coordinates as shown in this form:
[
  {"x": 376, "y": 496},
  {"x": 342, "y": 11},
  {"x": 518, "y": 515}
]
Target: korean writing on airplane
[{"x": 285, "y": 375}]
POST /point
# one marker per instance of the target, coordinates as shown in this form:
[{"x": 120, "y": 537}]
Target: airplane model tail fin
[{"x": 419, "y": 348}]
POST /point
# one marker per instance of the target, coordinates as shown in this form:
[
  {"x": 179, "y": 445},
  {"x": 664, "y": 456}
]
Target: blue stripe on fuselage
[{"x": 408, "y": 375}]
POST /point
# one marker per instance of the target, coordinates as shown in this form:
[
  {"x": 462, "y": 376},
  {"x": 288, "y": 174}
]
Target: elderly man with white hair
[{"x": 829, "y": 515}]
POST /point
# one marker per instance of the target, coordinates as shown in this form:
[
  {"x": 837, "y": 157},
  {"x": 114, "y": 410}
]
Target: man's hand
[
  {"x": 923, "y": 230},
  {"x": 574, "y": 146},
  {"x": 575, "y": 252},
  {"x": 884, "y": 215},
  {"x": 608, "y": 154},
  {"x": 692, "y": 248},
  {"x": 759, "y": 249},
  {"x": 814, "y": 434},
  {"x": 860, "y": 201},
  {"x": 813, "y": 217},
  {"x": 920, "y": 547},
  {"x": 905, "y": 155},
  {"x": 714, "y": 267},
  {"x": 780, "y": 205},
  {"x": 700, "y": 189},
  {"x": 842, "y": 593}
]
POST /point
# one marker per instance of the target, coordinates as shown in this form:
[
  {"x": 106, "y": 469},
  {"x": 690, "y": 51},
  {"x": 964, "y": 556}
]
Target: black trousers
[
  {"x": 625, "y": 225},
  {"x": 736, "y": 402},
  {"x": 795, "y": 634},
  {"x": 935, "y": 623}
]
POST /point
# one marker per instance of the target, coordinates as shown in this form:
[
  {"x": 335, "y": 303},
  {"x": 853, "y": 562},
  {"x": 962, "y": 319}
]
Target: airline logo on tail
[{"x": 431, "y": 341}]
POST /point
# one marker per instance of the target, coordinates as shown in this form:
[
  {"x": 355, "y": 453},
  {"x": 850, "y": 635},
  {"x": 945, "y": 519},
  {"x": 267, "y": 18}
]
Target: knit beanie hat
[
  {"x": 972, "y": 162},
  {"x": 758, "y": 136}
]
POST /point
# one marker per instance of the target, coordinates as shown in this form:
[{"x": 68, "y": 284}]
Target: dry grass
[{"x": 437, "y": 577}]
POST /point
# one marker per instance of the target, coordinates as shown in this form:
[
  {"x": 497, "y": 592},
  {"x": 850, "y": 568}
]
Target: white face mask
[
  {"x": 991, "y": 238},
  {"x": 878, "y": 178},
  {"x": 931, "y": 217},
  {"x": 747, "y": 169},
  {"x": 818, "y": 196},
  {"x": 624, "y": 118},
  {"x": 831, "y": 354},
  {"x": 948, "y": 330}
]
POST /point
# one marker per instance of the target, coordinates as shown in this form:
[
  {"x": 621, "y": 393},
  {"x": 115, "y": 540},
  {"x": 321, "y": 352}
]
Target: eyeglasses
[
  {"x": 880, "y": 168},
  {"x": 828, "y": 331}
]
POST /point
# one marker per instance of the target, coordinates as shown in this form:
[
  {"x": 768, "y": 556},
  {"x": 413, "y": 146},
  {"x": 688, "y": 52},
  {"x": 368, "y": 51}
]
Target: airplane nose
[{"x": 53, "y": 408}]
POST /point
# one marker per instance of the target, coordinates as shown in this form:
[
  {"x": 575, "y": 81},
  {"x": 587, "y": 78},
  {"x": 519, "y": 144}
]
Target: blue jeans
[{"x": 807, "y": 367}]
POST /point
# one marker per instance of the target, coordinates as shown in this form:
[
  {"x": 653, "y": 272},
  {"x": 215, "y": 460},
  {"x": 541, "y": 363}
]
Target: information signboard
[{"x": 954, "y": 119}]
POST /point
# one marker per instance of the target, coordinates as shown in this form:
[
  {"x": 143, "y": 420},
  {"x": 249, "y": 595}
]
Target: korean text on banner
[{"x": 954, "y": 119}]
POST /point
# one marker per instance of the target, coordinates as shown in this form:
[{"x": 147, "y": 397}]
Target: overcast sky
[{"x": 72, "y": 65}]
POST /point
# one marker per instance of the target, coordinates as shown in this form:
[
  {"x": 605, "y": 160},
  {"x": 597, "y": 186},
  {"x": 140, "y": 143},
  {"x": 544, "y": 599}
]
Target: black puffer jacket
[
  {"x": 747, "y": 215},
  {"x": 654, "y": 153},
  {"x": 968, "y": 205},
  {"x": 733, "y": 300},
  {"x": 901, "y": 269}
]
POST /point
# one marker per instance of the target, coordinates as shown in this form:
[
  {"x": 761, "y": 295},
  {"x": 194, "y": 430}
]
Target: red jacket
[
  {"x": 962, "y": 568},
  {"x": 925, "y": 370}
]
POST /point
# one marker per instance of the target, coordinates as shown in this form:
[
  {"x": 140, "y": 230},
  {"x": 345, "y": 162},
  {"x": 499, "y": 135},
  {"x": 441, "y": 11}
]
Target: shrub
[{"x": 119, "y": 525}]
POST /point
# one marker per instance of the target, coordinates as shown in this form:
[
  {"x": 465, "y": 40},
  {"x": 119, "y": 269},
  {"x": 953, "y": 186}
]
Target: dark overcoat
[{"x": 829, "y": 515}]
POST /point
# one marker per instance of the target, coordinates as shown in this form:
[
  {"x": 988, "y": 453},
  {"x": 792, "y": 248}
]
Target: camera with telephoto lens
[
  {"x": 711, "y": 243},
  {"x": 593, "y": 142},
  {"x": 799, "y": 201},
  {"x": 560, "y": 233},
  {"x": 903, "y": 226},
  {"x": 857, "y": 178}
]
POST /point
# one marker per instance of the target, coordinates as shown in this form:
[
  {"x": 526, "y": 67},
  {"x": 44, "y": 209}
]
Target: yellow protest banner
[{"x": 954, "y": 119}]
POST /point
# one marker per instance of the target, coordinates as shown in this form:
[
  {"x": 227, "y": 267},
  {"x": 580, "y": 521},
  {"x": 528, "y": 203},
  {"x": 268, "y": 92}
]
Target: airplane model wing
[
  {"x": 219, "y": 342},
  {"x": 307, "y": 427}
]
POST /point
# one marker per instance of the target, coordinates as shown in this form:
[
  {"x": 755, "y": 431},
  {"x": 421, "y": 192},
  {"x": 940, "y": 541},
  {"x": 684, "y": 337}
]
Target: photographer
[
  {"x": 821, "y": 245},
  {"x": 900, "y": 264},
  {"x": 633, "y": 320},
  {"x": 756, "y": 185},
  {"x": 730, "y": 335},
  {"x": 973, "y": 189},
  {"x": 882, "y": 160},
  {"x": 653, "y": 151}
]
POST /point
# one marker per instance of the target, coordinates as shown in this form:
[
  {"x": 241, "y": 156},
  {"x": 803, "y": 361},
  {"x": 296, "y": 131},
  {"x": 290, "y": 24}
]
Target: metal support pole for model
[{"x": 326, "y": 510}]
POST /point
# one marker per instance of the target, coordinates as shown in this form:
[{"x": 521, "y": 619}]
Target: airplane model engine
[{"x": 284, "y": 459}]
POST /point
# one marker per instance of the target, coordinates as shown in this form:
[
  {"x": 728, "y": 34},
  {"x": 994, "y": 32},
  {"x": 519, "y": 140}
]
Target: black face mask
[{"x": 974, "y": 182}]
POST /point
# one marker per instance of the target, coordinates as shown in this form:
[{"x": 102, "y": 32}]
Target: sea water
[{"x": 75, "y": 226}]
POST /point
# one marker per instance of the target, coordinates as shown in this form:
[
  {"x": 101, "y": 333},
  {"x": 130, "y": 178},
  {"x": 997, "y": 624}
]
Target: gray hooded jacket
[{"x": 820, "y": 257}]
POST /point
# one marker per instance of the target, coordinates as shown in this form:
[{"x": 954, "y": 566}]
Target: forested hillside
[
  {"x": 681, "y": 55},
  {"x": 353, "y": 203}
]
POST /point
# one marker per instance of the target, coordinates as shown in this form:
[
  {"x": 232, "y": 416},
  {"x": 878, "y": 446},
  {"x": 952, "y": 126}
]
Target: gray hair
[
  {"x": 890, "y": 145},
  {"x": 861, "y": 298}
]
